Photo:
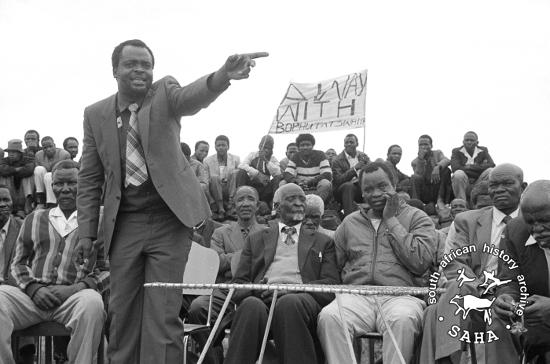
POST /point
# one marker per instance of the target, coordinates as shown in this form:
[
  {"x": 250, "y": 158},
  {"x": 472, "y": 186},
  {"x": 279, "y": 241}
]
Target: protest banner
[{"x": 338, "y": 103}]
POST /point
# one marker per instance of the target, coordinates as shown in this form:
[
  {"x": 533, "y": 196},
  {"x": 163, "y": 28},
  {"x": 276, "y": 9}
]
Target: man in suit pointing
[{"x": 152, "y": 199}]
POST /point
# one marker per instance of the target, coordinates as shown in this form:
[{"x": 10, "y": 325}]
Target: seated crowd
[{"x": 312, "y": 218}]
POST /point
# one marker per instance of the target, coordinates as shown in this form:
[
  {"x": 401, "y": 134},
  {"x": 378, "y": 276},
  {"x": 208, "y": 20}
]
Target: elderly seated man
[
  {"x": 315, "y": 208},
  {"x": 310, "y": 168},
  {"x": 471, "y": 164},
  {"x": 261, "y": 170},
  {"x": 45, "y": 160},
  {"x": 53, "y": 286},
  {"x": 286, "y": 252},
  {"x": 387, "y": 243},
  {"x": 527, "y": 242}
]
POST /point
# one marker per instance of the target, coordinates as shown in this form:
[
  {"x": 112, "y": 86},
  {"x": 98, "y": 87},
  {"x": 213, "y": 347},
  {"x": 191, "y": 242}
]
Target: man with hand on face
[
  {"x": 16, "y": 172},
  {"x": 345, "y": 169},
  {"x": 310, "y": 168},
  {"x": 431, "y": 181},
  {"x": 286, "y": 252},
  {"x": 52, "y": 286},
  {"x": 32, "y": 139},
  {"x": 387, "y": 243},
  {"x": 132, "y": 153},
  {"x": 527, "y": 242}
]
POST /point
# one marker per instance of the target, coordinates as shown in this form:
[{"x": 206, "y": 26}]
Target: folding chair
[
  {"x": 45, "y": 331},
  {"x": 202, "y": 267}
]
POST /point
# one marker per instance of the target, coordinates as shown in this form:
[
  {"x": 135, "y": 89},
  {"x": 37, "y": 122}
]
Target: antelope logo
[
  {"x": 490, "y": 276},
  {"x": 470, "y": 302}
]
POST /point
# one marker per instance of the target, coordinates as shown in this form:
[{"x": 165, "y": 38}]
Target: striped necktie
[
  {"x": 289, "y": 231},
  {"x": 136, "y": 170}
]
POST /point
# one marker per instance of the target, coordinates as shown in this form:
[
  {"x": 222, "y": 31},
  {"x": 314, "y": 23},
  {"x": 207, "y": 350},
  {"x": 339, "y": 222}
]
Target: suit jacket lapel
[
  {"x": 271, "y": 238},
  {"x": 110, "y": 135},
  {"x": 304, "y": 245},
  {"x": 143, "y": 121},
  {"x": 483, "y": 234},
  {"x": 236, "y": 237}
]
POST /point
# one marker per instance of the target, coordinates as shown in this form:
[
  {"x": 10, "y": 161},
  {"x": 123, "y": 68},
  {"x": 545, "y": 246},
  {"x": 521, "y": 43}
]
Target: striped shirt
[
  {"x": 44, "y": 256},
  {"x": 303, "y": 170}
]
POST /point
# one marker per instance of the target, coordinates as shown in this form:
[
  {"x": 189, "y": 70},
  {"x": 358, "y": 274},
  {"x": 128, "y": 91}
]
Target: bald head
[
  {"x": 536, "y": 196},
  {"x": 507, "y": 169},
  {"x": 535, "y": 209},
  {"x": 505, "y": 187}
]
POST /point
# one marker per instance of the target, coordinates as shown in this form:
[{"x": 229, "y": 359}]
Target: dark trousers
[
  {"x": 425, "y": 191},
  {"x": 293, "y": 329},
  {"x": 145, "y": 326},
  {"x": 348, "y": 194}
]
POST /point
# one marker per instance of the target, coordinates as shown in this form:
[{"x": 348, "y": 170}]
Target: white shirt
[
  {"x": 3, "y": 234},
  {"x": 546, "y": 251},
  {"x": 470, "y": 159},
  {"x": 61, "y": 224},
  {"x": 497, "y": 229},
  {"x": 352, "y": 163}
]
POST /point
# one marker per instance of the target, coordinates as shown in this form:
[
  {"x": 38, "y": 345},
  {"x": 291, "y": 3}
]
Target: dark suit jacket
[
  {"x": 159, "y": 126},
  {"x": 481, "y": 162},
  {"x": 9, "y": 251},
  {"x": 530, "y": 259},
  {"x": 259, "y": 251},
  {"x": 341, "y": 171}
]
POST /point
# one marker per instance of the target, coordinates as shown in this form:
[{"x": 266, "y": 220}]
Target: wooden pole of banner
[{"x": 365, "y": 122}]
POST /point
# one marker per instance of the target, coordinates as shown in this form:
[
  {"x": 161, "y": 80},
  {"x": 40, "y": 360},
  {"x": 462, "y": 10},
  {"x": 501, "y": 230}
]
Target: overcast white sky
[{"x": 435, "y": 67}]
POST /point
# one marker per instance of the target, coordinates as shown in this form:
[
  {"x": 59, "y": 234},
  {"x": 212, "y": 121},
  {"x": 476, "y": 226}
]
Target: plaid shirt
[{"x": 45, "y": 257}]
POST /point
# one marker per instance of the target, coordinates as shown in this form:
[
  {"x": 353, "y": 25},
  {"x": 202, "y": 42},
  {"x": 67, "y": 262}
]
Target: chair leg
[
  {"x": 49, "y": 349},
  {"x": 371, "y": 351},
  {"x": 185, "y": 348}
]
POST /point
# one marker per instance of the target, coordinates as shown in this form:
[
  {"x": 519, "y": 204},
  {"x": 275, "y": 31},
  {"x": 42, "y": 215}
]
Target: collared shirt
[
  {"x": 470, "y": 158},
  {"x": 61, "y": 224},
  {"x": 497, "y": 229},
  {"x": 3, "y": 234},
  {"x": 352, "y": 160},
  {"x": 295, "y": 236},
  {"x": 46, "y": 256},
  {"x": 532, "y": 241}
]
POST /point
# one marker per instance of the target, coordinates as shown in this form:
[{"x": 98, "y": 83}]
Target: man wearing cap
[
  {"x": 261, "y": 170},
  {"x": 132, "y": 154},
  {"x": 16, "y": 171},
  {"x": 286, "y": 252}
]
